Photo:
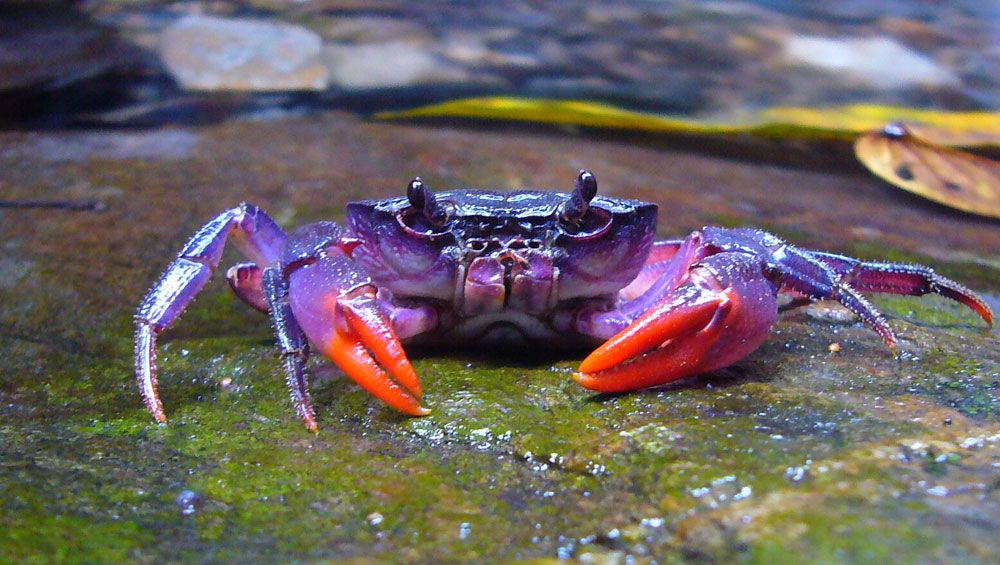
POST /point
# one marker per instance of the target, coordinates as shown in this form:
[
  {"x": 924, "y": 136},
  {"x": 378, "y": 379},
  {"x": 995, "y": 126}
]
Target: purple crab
[{"x": 475, "y": 266}]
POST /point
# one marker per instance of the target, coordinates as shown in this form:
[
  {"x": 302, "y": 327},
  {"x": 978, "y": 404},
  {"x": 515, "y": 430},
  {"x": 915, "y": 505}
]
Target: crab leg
[
  {"x": 335, "y": 304},
  {"x": 713, "y": 301},
  {"x": 293, "y": 344},
  {"x": 664, "y": 250},
  {"x": 660, "y": 277},
  {"x": 897, "y": 278},
  {"x": 251, "y": 230}
]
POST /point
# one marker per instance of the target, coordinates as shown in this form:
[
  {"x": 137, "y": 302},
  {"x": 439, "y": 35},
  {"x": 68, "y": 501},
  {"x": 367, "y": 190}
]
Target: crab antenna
[
  {"x": 423, "y": 199},
  {"x": 584, "y": 190}
]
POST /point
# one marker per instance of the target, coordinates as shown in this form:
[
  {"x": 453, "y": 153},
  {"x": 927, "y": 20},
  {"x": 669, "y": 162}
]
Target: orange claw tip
[
  {"x": 592, "y": 363},
  {"x": 421, "y": 411},
  {"x": 352, "y": 357},
  {"x": 585, "y": 380},
  {"x": 414, "y": 409}
]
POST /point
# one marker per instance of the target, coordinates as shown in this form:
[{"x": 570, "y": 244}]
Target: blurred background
[{"x": 141, "y": 62}]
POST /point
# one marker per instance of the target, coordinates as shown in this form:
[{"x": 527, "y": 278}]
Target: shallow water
[{"x": 140, "y": 63}]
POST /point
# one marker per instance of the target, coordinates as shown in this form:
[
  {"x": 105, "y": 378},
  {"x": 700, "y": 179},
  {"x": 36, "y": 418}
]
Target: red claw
[
  {"x": 667, "y": 320},
  {"x": 667, "y": 343},
  {"x": 367, "y": 342},
  {"x": 370, "y": 324}
]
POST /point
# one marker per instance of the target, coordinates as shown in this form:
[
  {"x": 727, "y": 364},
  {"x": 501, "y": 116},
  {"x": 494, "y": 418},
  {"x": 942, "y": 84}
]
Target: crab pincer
[
  {"x": 663, "y": 345},
  {"x": 336, "y": 305},
  {"x": 710, "y": 300},
  {"x": 717, "y": 313}
]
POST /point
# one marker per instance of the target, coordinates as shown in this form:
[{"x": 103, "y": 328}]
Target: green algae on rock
[{"x": 796, "y": 452}]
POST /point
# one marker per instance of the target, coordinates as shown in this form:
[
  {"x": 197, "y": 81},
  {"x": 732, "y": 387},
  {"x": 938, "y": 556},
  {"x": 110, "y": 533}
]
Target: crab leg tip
[
  {"x": 890, "y": 341},
  {"x": 985, "y": 313}
]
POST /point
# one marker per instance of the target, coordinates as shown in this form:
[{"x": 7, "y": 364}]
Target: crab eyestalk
[
  {"x": 584, "y": 190},
  {"x": 421, "y": 198}
]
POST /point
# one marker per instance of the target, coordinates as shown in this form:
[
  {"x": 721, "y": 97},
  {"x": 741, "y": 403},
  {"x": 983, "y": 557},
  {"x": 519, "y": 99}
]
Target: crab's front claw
[
  {"x": 665, "y": 344},
  {"x": 336, "y": 306},
  {"x": 709, "y": 321},
  {"x": 367, "y": 343}
]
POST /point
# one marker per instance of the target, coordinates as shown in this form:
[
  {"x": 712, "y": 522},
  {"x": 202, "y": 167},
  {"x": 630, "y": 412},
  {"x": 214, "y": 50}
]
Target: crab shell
[{"x": 502, "y": 250}]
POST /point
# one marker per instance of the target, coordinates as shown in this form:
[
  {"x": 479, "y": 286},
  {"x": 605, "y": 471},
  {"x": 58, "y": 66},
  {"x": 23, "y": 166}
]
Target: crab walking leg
[
  {"x": 251, "y": 230},
  {"x": 291, "y": 340},
  {"x": 720, "y": 313},
  {"x": 898, "y": 278},
  {"x": 799, "y": 271},
  {"x": 811, "y": 277},
  {"x": 334, "y": 303}
]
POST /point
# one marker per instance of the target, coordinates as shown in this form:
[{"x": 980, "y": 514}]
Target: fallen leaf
[
  {"x": 840, "y": 123},
  {"x": 942, "y": 174}
]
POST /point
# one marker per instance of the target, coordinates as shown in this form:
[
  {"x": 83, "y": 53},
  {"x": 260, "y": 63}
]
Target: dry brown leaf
[{"x": 947, "y": 176}]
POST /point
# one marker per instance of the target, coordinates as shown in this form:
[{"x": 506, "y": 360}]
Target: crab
[{"x": 480, "y": 266}]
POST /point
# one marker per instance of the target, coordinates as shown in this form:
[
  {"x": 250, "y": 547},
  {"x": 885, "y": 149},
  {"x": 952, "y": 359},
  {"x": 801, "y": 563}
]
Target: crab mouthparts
[{"x": 517, "y": 279}]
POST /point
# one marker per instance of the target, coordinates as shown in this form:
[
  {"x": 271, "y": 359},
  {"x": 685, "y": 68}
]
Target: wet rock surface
[{"x": 800, "y": 450}]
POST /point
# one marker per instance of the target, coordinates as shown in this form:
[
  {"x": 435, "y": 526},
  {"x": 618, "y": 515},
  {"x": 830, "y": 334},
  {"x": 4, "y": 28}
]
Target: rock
[
  {"x": 918, "y": 34},
  {"x": 390, "y": 64},
  {"x": 209, "y": 53},
  {"x": 46, "y": 49},
  {"x": 878, "y": 61},
  {"x": 475, "y": 51},
  {"x": 535, "y": 465},
  {"x": 373, "y": 29}
]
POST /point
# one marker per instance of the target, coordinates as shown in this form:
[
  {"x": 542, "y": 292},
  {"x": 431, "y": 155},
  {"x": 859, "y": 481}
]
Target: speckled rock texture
[{"x": 796, "y": 453}]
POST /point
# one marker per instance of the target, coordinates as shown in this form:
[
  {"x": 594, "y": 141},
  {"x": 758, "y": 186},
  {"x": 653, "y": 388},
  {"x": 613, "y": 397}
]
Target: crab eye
[
  {"x": 577, "y": 217},
  {"x": 595, "y": 222},
  {"x": 426, "y": 216}
]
